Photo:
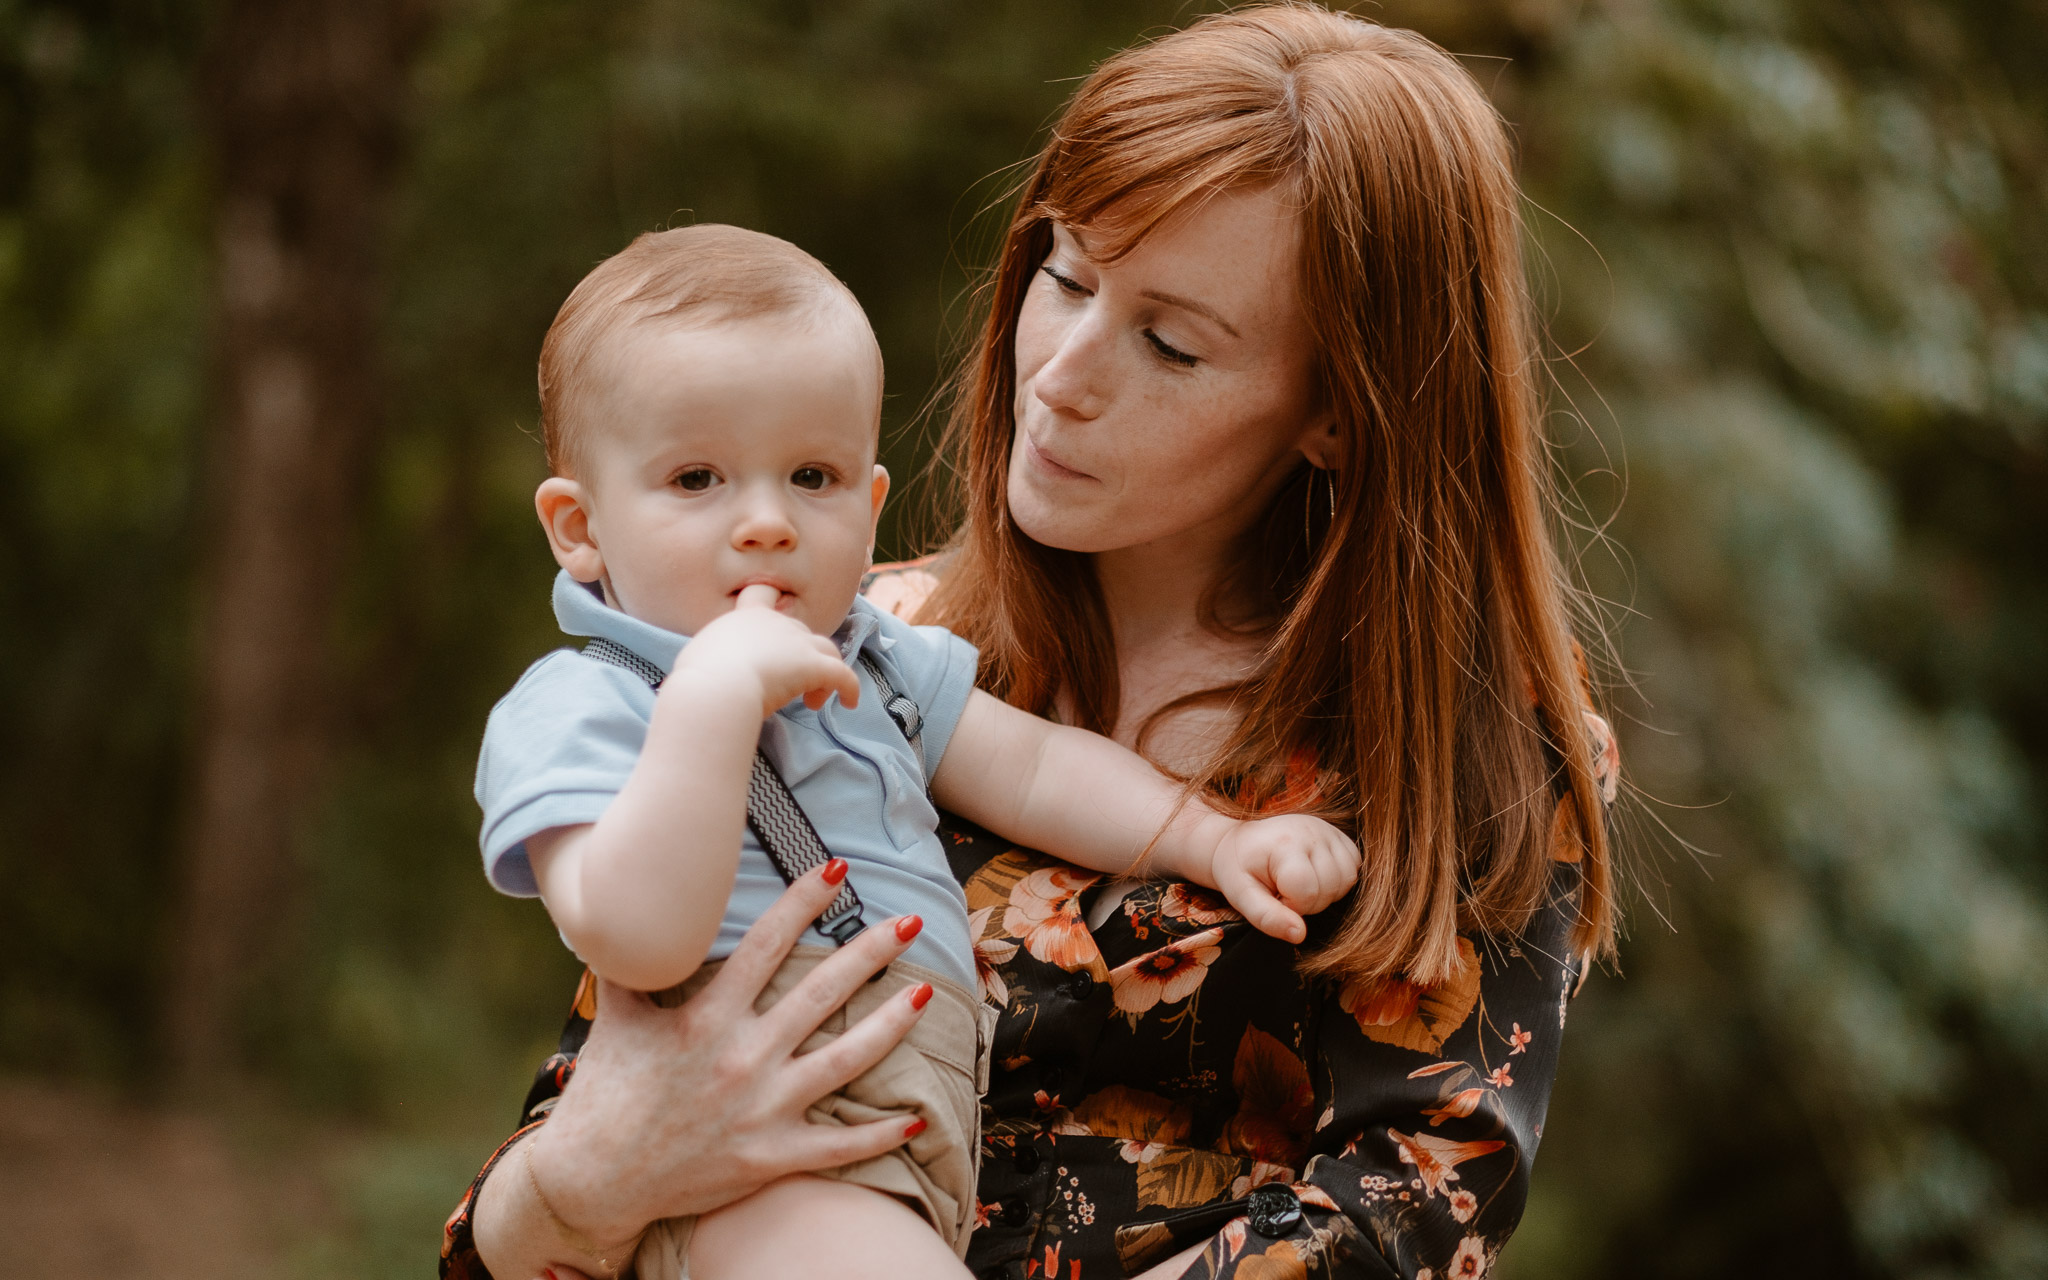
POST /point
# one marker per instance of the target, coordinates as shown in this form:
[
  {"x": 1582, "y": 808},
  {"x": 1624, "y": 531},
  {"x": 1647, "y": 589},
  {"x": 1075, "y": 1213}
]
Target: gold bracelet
[{"x": 571, "y": 1236}]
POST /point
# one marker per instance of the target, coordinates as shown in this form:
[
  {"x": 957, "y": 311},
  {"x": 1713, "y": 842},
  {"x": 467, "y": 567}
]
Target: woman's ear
[
  {"x": 1320, "y": 443},
  {"x": 564, "y": 509},
  {"x": 878, "y": 490}
]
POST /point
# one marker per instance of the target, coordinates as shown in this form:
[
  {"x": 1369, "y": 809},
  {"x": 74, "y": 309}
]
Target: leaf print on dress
[
  {"x": 1169, "y": 974},
  {"x": 1136, "y": 1117},
  {"x": 1044, "y": 913},
  {"x": 1436, "y": 1160},
  {"x": 1275, "y": 1102},
  {"x": 1181, "y": 1178},
  {"x": 1398, "y": 1012}
]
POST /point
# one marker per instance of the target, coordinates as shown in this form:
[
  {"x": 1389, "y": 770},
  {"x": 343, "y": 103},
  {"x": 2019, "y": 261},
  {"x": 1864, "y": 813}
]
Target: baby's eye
[
  {"x": 696, "y": 479},
  {"x": 810, "y": 477}
]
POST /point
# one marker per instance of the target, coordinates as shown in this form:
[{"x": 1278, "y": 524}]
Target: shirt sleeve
[
  {"x": 556, "y": 750},
  {"x": 1432, "y": 1107},
  {"x": 937, "y": 670}
]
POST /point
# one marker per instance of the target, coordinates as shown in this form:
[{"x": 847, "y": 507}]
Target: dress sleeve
[
  {"x": 459, "y": 1259},
  {"x": 1432, "y": 1103}
]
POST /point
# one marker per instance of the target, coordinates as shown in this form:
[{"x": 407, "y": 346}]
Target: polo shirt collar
[{"x": 580, "y": 610}]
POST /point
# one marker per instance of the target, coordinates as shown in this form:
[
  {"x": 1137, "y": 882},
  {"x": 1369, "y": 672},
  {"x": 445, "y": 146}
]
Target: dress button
[
  {"x": 1274, "y": 1210},
  {"x": 1027, "y": 1159},
  {"x": 1015, "y": 1212},
  {"x": 1080, "y": 985}
]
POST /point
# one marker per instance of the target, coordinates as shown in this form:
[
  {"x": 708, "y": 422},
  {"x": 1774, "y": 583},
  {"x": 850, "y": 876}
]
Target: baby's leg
[{"x": 804, "y": 1227}]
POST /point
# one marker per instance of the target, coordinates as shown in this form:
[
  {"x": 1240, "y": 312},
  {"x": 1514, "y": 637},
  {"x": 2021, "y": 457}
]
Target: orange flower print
[
  {"x": 1169, "y": 974},
  {"x": 1262, "y": 1172},
  {"x": 1469, "y": 1263},
  {"x": 1463, "y": 1205},
  {"x": 1196, "y": 905},
  {"x": 1436, "y": 1160},
  {"x": 1606, "y": 754},
  {"x": 988, "y": 953},
  {"x": 1044, "y": 912},
  {"x": 1460, "y": 1106},
  {"x": 901, "y": 591},
  {"x": 1520, "y": 1040},
  {"x": 1500, "y": 1079}
]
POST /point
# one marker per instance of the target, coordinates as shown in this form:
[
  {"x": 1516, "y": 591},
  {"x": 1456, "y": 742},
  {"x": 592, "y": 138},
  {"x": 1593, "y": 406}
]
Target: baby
[{"x": 710, "y": 402}]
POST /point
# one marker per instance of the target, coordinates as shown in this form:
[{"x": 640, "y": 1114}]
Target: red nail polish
[
  {"x": 921, "y": 996},
  {"x": 907, "y": 928},
  {"x": 548, "y": 1273},
  {"x": 835, "y": 871},
  {"x": 915, "y": 1127}
]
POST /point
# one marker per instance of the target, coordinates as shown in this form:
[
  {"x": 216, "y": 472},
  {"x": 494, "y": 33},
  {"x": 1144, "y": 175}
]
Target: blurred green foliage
[{"x": 1794, "y": 260}]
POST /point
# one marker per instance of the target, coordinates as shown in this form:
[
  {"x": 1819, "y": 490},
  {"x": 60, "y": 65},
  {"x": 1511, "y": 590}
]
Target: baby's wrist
[{"x": 717, "y": 683}]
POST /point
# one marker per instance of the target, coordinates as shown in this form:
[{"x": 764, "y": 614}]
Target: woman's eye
[
  {"x": 696, "y": 479},
  {"x": 810, "y": 478},
  {"x": 1169, "y": 352},
  {"x": 1067, "y": 284}
]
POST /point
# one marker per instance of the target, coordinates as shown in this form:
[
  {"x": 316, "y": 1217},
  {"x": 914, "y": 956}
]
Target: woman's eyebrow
[{"x": 1189, "y": 304}]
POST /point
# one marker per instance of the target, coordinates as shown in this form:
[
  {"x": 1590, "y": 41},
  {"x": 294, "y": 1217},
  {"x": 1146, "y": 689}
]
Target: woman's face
[{"x": 1166, "y": 395}]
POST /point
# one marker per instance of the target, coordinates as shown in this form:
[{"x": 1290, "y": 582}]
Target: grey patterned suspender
[{"x": 778, "y": 822}]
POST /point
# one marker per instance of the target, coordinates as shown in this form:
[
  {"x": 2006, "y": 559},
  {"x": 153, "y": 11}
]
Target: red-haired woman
[{"x": 1253, "y": 479}]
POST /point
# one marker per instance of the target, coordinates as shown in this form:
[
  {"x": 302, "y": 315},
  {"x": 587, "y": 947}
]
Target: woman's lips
[{"x": 1050, "y": 465}]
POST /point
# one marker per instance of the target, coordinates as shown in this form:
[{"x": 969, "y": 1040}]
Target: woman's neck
[{"x": 1165, "y": 647}]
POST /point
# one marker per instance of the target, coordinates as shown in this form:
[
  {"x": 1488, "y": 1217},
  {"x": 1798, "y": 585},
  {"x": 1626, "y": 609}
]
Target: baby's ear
[
  {"x": 564, "y": 509},
  {"x": 878, "y": 492}
]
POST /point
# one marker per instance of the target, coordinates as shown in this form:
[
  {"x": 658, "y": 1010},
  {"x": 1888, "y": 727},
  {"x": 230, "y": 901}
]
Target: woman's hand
[{"x": 681, "y": 1111}]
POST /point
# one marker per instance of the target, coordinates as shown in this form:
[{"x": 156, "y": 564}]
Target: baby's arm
[
  {"x": 640, "y": 892},
  {"x": 1084, "y": 798}
]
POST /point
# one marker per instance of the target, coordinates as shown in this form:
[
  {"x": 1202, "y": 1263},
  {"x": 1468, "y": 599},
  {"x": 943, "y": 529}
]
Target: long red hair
[{"x": 1419, "y": 645}]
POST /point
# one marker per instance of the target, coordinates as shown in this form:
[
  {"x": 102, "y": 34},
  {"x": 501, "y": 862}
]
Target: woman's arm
[{"x": 665, "y": 1112}]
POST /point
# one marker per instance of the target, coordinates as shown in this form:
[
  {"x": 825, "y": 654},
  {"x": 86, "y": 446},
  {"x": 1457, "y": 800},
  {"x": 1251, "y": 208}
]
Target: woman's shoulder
[{"x": 902, "y": 588}]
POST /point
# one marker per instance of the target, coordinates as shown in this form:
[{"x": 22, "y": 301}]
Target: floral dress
[{"x": 1167, "y": 1078}]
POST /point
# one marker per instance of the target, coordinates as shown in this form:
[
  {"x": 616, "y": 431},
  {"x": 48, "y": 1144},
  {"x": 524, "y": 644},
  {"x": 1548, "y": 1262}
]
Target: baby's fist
[{"x": 1279, "y": 870}]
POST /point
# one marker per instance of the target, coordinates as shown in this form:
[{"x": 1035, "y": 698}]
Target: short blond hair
[{"x": 708, "y": 273}]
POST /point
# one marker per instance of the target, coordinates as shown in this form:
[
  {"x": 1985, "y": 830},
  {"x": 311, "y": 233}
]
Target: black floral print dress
[{"x": 1167, "y": 1079}]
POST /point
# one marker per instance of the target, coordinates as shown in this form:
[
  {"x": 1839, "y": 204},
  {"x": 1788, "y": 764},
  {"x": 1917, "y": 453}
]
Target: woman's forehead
[{"x": 1235, "y": 254}]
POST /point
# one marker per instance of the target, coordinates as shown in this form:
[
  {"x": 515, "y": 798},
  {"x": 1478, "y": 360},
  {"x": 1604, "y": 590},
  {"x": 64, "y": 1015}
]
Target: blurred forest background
[{"x": 273, "y": 275}]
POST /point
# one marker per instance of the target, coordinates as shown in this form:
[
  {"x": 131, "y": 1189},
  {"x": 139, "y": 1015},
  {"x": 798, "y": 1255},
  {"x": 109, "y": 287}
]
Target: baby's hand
[
  {"x": 1278, "y": 870},
  {"x": 755, "y": 642}
]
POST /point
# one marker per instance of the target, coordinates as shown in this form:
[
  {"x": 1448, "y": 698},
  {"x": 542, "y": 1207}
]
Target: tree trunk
[{"x": 302, "y": 103}]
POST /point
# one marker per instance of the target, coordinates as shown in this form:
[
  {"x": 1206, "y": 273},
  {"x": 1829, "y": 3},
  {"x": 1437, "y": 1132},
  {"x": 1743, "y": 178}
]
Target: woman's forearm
[{"x": 511, "y": 1229}]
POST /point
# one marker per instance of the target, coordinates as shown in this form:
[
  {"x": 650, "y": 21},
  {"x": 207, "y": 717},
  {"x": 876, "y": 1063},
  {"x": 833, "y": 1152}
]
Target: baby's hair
[{"x": 704, "y": 274}]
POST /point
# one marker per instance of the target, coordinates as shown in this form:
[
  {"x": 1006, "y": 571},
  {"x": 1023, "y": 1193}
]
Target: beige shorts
[{"x": 939, "y": 1070}]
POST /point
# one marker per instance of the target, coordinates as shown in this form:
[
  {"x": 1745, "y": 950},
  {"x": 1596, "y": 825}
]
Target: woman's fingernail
[
  {"x": 914, "y": 1128},
  {"x": 835, "y": 871},
  {"x": 919, "y": 997},
  {"x": 907, "y": 928},
  {"x": 548, "y": 1273}
]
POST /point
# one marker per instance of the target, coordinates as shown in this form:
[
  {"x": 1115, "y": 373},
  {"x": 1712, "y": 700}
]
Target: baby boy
[{"x": 710, "y": 403}]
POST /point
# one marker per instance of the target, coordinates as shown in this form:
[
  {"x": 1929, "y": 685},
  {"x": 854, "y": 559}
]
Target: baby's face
[{"x": 731, "y": 454}]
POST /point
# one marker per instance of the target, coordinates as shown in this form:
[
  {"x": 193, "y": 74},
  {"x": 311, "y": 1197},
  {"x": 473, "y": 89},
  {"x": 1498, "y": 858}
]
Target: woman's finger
[
  {"x": 833, "y": 982},
  {"x": 769, "y": 939},
  {"x": 831, "y": 1146},
  {"x": 864, "y": 1044}
]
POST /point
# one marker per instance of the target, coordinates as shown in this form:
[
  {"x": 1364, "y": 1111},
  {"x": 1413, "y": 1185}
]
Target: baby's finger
[
  {"x": 1266, "y": 913},
  {"x": 1296, "y": 879},
  {"x": 758, "y": 595},
  {"x": 830, "y": 676}
]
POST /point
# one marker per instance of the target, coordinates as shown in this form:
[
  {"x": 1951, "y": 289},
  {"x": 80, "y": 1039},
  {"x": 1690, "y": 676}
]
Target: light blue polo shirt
[{"x": 562, "y": 743}]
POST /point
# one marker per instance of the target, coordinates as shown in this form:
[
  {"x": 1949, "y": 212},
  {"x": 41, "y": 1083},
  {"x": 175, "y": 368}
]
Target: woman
[{"x": 1252, "y": 479}]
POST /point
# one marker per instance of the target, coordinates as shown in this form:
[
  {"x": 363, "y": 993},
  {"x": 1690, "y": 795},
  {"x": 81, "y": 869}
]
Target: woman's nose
[
  {"x": 764, "y": 524},
  {"x": 1073, "y": 380}
]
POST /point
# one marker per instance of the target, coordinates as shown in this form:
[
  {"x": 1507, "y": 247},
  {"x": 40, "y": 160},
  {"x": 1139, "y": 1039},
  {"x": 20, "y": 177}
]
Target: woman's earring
[{"x": 1330, "y": 475}]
